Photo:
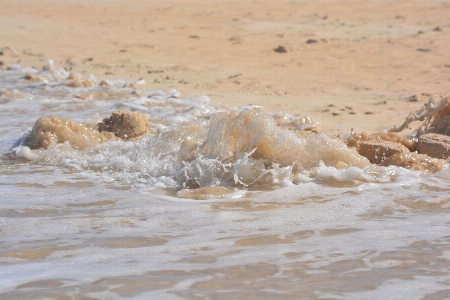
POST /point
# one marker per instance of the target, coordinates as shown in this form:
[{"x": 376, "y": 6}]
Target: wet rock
[
  {"x": 415, "y": 161},
  {"x": 34, "y": 78},
  {"x": 51, "y": 130},
  {"x": 75, "y": 80},
  {"x": 125, "y": 125},
  {"x": 377, "y": 151},
  {"x": 434, "y": 145},
  {"x": 354, "y": 140}
]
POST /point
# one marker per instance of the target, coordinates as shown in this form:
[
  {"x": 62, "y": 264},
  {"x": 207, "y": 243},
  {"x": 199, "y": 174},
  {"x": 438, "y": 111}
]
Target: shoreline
[{"x": 362, "y": 65}]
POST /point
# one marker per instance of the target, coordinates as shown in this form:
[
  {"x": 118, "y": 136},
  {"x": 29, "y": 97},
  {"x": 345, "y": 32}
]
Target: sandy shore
[{"x": 348, "y": 63}]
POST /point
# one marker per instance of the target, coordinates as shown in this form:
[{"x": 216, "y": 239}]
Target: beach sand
[{"x": 348, "y": 64}]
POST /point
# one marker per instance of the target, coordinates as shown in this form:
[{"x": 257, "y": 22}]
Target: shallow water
[{"x": 281, "y": 216}]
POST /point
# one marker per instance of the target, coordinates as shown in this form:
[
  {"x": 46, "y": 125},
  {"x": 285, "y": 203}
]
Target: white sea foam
[{"x": 292, "y": 217}]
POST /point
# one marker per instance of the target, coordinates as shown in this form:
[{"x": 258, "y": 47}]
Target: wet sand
[{"x": 362, "y": 64}]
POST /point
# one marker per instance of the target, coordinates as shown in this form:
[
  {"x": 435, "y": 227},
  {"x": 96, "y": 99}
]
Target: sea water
[{"x": 212, "y": 203}]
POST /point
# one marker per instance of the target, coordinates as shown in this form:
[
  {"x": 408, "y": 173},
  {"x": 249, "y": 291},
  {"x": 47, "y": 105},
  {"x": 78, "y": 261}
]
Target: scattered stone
[
  {"x": 437, "y": 29},
  {"x": 104, "y": 83},
  {"x": 413, "y": 98},
  {"x": 76, "y": 80},
  {"x": 377, "y": 151},
  {"x": 280, "y": 49},
  {"x": 368, "y": 113},
  {"x": 415, "y": 161},
  {"x": 335, "y": 114},
  {"x": 34, "y": 78},
  {"x": 194, "y": 37},
  {"x": 423, "y": 49},
  {"x": 434, "y": 145},
  {"x": 234, "y": 76},
  {"x": 155, "y": 71},
  {"x": 381, "y": 102},
  {"x": 125, "y": 125},
  {"x": 311, "y": 41}
]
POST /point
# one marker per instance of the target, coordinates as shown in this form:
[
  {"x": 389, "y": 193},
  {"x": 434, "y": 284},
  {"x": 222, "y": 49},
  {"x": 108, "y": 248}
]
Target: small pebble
[
  {"x": 413, "y": 98},
  {"x": 280, "y": 49}
]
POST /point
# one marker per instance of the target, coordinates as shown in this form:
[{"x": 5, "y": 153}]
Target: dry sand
[{"x": 348, "y": 63}]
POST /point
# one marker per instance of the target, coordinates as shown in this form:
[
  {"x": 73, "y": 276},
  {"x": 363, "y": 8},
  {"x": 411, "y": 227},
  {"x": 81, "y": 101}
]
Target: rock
[
  {"x": 125, "y": 125},
  {"x": 53, "y": 130},
  {"x": 415, "y": 161},
  {"x": 378, "y": 150},
  {"x": 280, "y": 49},
  {"x": 435, "y": 145},
  {"x": 413, "y": 98},
  {"x": 75, "y": 80},
  {"x": 34, "y": 78}
]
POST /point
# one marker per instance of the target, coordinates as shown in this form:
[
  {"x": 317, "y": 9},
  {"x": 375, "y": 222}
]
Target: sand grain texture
[{"x": 367, "y": 61}]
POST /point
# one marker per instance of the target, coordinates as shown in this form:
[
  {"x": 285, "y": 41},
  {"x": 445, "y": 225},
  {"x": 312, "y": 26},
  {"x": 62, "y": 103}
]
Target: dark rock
[{"x": 280, "y": 49}]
